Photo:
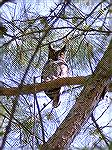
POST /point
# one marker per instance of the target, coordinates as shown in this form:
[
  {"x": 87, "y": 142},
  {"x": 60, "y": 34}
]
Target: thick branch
[
  {"x": 38, "y": 87},
  {"x": 34, "y": 88},
  {"x": 84, "y": 106}
]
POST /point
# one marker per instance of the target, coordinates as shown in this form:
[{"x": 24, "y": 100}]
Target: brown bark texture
[
  {"x": 38, "y": 87},
  {"x": 34, "y": 88},
  {"x": 88, "y": 99},
  {"x": 93, "y": 91}
]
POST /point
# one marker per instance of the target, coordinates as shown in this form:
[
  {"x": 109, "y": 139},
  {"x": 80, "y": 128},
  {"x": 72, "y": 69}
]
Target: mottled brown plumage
[{"x": 54, "y": 68}]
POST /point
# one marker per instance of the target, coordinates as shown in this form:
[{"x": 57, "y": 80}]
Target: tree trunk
[{"x": 88, "y": 99}]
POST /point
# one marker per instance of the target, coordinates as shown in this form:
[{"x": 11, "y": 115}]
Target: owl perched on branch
[{"x": 54, "y": 68}]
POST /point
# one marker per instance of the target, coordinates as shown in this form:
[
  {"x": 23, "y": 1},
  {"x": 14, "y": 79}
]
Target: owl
[{"x": 55, "y": 67}]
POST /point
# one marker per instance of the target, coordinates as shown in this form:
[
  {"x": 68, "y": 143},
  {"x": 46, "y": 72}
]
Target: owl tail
[
  {"x": 54, "y": 95},
  {"x": 56, "y": 102}
]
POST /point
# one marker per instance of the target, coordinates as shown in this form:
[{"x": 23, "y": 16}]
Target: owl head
[{"x": 56, "y": 54}]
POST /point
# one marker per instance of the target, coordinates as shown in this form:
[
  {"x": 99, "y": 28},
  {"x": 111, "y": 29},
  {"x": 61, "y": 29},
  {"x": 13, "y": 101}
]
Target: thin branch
[
  {"x": 84, "y": 105},
  {"x": 8, "y": 127},
  {"x": 99, "y": 130},
  {"x": 7, "y": 131},
  {"x": 21, "y": 125},
  {"x": 4, "y": 1},
  {"x": 40, "y": 117}
]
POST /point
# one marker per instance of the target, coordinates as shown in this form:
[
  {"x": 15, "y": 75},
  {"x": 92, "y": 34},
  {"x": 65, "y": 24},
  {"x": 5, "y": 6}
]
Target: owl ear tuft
[
  {"x": 50, "y": 48},
  {"x": 51, "y": 53},
  {"x": 63, "y": 49}
]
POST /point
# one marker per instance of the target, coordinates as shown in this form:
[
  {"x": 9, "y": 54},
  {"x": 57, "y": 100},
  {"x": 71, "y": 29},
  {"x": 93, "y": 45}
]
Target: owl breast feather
[{"x": 51, "y": 69}]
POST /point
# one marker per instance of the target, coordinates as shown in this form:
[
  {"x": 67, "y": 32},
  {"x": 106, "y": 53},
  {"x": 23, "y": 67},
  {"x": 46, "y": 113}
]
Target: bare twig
[{"x": 99, "y": 130}]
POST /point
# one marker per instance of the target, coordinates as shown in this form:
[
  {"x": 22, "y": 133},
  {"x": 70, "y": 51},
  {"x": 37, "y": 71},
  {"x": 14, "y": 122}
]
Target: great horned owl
[{"x": 54, "y": 68}]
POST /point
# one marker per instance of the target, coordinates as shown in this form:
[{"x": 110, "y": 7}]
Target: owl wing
[
  {"x": 63, "y": 69},
  {"x": 53, "y": 70}
]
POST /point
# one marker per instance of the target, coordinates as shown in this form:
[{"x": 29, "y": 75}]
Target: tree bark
[
  {"x": 93, "y": 91},
  {"x": 38, "y": 87},
  {"x": 34, "y": 88},
  {"x": 88, "y": 99}
]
